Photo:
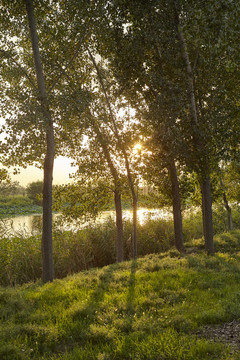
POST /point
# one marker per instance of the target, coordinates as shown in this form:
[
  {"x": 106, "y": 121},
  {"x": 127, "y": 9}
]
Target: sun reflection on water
[{"x": 32, "y": 223}]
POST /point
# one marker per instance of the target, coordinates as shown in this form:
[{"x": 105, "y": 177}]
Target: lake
[{"x": 31, "y": 224}]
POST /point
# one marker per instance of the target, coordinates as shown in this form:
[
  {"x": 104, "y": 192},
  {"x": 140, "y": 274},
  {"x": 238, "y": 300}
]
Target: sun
[{"x": 137, "y": 147}]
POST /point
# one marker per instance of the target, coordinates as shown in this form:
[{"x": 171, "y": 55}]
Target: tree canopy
[{"x": 91, "y": 79}]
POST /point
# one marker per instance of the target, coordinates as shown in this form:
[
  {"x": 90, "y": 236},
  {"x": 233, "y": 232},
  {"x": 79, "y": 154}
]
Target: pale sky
[{"x": 62, "y": 169}]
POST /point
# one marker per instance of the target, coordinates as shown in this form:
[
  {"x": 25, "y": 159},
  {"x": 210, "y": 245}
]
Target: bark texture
[
  {"x": 134, "y": 235},
  {"x": 198, "y": 141},
  {"x": 119, "y": 225},
  {"x": 47, "y": 253},
  {"x": 117, "y": 192},
  {"x": 176, "y": 204},
  {"x": 122, "y": 148},
  {"x": 207, "y": 216},
  {"x": 229, "y": 212}
]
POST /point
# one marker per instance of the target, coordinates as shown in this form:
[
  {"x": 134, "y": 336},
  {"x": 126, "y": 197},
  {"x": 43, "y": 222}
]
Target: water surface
[{"x": 31, "y": 224}]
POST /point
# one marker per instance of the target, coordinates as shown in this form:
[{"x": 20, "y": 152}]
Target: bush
[
  {"x": 14, "y": 200},
  {"x": 155, "y": 236},
  {"x": 192, "y": 225},
  {"x": 192, "y": 222}
]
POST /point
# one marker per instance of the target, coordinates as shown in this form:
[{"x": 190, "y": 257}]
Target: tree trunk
[
  {"x": 47, "y": 254},
  {"x": 207, "y": 216},
  {"x": 119, "y": 225},
  {"x": 176, "y": 203},
  {"x": 122, "y": 148},
  {"x": 198, "y": 141},
  {"x": 229, "y": 212},
  {"x": 47, "y": 251},
  {"x": 117, "y": 192},
  {"x": 134, "y": 236}
]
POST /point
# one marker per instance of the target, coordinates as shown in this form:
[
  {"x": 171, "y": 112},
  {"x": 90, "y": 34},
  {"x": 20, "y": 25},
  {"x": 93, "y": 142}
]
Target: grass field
[{"x": 151, "y": 308}]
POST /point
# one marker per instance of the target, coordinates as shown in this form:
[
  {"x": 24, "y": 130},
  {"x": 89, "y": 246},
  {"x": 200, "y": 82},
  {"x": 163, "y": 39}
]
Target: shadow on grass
[
  {"x": 88, "y": 323},
  {"x": 127, "y": 345},
  {"x": 220, "y": 263},
  {"x": 83, "y": 318},
  {"x": 131, "y": 288}
]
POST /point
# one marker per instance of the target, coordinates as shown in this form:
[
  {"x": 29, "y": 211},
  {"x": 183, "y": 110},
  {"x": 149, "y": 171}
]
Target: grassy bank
[{"x": 151, "y": 308}]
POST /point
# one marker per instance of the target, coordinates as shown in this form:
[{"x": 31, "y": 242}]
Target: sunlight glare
[{"x": 137, "y": 147}]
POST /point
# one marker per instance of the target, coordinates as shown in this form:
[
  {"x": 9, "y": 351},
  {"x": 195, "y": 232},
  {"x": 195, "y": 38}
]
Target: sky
[{"x": 62, "y": 169}]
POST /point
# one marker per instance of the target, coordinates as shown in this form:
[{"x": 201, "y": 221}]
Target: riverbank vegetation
[
  {"x": 157, "y": 306},
  {"x": 17, "y": 200},
  {"x": 14, "y": 205},
  {"x": 95, "y": 245}
]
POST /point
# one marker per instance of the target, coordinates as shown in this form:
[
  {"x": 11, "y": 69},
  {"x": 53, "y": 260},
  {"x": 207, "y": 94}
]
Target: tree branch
[
  {"x": 196, "y": 60},
  {"x": 63, "y": 72},
  {"x": 120, "y": 143}
]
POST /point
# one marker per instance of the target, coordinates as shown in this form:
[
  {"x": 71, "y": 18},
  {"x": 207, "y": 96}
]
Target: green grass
[{"x": 150, "y": 309}]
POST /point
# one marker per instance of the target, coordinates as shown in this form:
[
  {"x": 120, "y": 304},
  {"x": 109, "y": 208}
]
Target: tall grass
[
  {"x": 12, "y": 200},
  {"x": 20, "y": 256}
]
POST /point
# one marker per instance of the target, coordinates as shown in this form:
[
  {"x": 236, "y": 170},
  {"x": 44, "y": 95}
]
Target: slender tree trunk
[
  {"x": 176, "y": 203},
  {"x": 134, "y": 236},
  {"x": 47, "y": 251},
  {"x": 47, "y": 254},
  {"x": 229, "y": 212},
  {"x": 207, "y": 216},
  {"x": 119, "y": 225},
  {"x": 198, "y": 141},
  {"x": 122, "y": 148},
  {"x": 176, "y": 199},
  {"x": 117, "y": 192}
]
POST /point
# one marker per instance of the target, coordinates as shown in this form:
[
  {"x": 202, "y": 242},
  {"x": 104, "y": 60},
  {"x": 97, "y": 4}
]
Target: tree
[
  {"x": 35, "y": 191},
  {"x": 117, "y": 191},
  {"x": 137, "y": 62},
  {"x": 25, "y": 105},
  {"x": 228, "y": 187},
  {"x": 97, "y": 175},
  {"x": 47, "y": 256},
  {"x": 202, "y": 40},
  {"x": 122, "y": 148},
  {"x": 177, "y": 52},
  {"x": 198, "y": 142},
  {"x": 164, "y": 176}
]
